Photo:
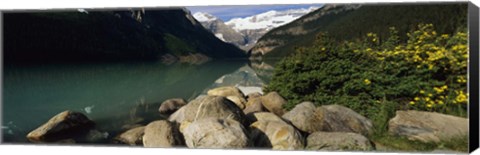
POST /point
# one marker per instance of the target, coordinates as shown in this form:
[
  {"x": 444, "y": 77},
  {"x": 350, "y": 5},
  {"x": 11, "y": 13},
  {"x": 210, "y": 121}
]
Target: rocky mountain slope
[
  {"x": 90, "y": 35},
  {"x": 244, "y": 32},
  {"x": 354, "y": 20},
  {"x": 220, "y": 29}
]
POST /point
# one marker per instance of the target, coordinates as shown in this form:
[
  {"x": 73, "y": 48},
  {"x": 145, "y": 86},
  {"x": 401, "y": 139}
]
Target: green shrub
[{"x": 376, "y": 76}]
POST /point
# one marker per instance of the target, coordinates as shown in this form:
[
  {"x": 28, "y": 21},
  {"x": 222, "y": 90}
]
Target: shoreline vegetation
[{"x": 227, "y": 118}]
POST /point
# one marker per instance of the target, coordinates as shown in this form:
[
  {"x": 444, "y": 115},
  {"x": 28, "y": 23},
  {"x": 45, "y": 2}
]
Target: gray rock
[
  {"x": 342, "y": 119},
  {"x": 335, "y": 118},
  {"x": 277, "y": 135},
  {"x": 161, "y": 134},
  {"x": 226, "y": 91},
  {"x": 273, "y": 102},
  {"x": 62, "y": 126},
  {"x": 240, "y": 102},
  {"x": 263, "y": 116},
  {"x": 307, "y": 118},
  {"x": 132, "y": 137},
  {"x": 254, "y": 104},
  {"x": 215, "y": 133},
  {"x": 208, "y": 106},
  {"x": 427, "y": 126},
  {"x": 254, "y": 95},
  {"x": 333, "y": 141},
  {"x": 171, "y": 105}
]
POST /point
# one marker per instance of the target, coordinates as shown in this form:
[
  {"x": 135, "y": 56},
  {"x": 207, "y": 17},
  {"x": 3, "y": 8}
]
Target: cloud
[{"x": 228, "y": 12}]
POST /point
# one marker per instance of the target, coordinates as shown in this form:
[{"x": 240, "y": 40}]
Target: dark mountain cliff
[{"x": 66, "y": 36}]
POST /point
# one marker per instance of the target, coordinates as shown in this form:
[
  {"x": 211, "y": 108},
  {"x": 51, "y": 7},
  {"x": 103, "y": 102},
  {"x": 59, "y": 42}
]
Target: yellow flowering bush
[{"x": 439, "y": 62}]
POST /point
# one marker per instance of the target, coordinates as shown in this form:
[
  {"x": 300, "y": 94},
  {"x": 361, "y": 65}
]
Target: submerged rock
[
  {"x": 208, "y": 106},
  {"x": 273, "y": 102},
  {"x": 64, "y": 125},
  {"x": 132, "y": 136},
  {"x": 215, "y": 133},
  {"x": 161, "y": 134},
  {"x": 171, "y": 105},
  {"x": 333, "y": 141},
  {"x": 427, "y": 126}
]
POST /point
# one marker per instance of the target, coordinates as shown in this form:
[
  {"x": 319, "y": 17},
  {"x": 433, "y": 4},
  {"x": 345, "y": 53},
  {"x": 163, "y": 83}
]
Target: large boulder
[
  {"x": 254, "y": 95},
  {"x": 65, "y": 125},
  {"x": 333, "y": 141},
  {"x": 215, "y": 133},
  {"x": 273, "y": 102},
  {"x": 335, "y": 118},
  {"x": 427, "y": 126},
  {"x": 171, "y": 105},
  {"x": 254, "y": 104},
  {"x": 263, "y": 116},
  {"x": 307, "y": 118},
  {"x": 226, "y": 91},
  {"x": 161, "y": 134},
  {"x": 240, "y": 102},
  {"x": 342, "y": 119},
  {"x": 208, "y": 106},
  {"x": 277, "y": 135},
  {"x": 132, "y": 137}
]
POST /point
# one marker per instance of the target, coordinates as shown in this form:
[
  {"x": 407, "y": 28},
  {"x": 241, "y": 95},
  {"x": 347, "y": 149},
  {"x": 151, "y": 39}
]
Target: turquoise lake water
[{"x": 113, "y": 95}]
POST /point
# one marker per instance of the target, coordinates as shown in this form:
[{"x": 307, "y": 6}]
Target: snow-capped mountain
[
  {"x": 204, "y": 17},
  {"x": 268, "y": 20},
  {"x": 244, "y": 32},
  {"x": 218, "y": 27}
]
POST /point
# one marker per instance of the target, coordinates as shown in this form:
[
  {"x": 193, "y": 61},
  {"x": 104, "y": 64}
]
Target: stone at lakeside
[
  {"x": 171, "y": 105},
  {"x": 215, "y": 133},
  {"x": 226, "y": 91},
  {"x": 333, "y": 141},
  {"x": 254, "y": 104},
  {"x": 427, "y": 126},
  {"x": 132, "y": 136},
  {"x": 64, "y": 125},
  {"x": 240, "y": 102},
  {"x": 250, "y": 90},
  {"x": 273, "y": 102},
  {"x": 343, "y": 119},
  {"x": 308, "y": 118},
  {"x": 230, "y": 92},
  {"x": 276, "y": 135},
  {"x": 264, "y": 116},
  {"x": 161, "y": 134},
  {"x": 254, "y": 95},
  {"x": 209, "y": 106}
]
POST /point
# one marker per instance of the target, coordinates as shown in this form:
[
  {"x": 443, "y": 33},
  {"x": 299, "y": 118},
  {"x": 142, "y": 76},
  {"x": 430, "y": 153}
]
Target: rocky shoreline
[{"x": 227, "y": 118}]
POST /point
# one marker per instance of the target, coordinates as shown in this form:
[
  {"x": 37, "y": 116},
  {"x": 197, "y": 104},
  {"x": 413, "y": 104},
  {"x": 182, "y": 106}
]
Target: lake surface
[{"x": 114, "y": 95}]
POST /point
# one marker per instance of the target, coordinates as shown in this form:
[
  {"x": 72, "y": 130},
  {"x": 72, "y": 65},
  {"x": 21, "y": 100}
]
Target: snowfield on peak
[
  {"x": 204, "y": 17},
  {"x": 268, "y": 20}
]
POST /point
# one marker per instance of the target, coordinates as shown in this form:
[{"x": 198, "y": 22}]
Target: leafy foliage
[{"x": 376, "y": 77}]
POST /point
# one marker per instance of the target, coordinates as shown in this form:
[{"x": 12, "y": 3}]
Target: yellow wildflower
[
  {"x": 422, "y": 91},
  {"x": 412, "y": 103},
  {"x": 367, "y": 82},
  {"x": 417, "y": 98}
]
